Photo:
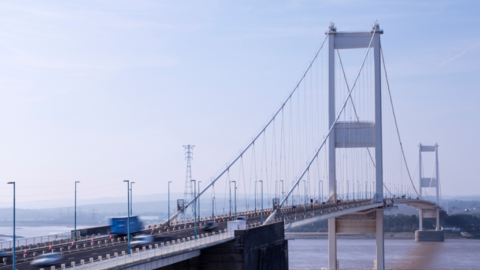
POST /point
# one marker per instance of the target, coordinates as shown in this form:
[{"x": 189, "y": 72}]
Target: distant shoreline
[{"x": 388, "y": 235}]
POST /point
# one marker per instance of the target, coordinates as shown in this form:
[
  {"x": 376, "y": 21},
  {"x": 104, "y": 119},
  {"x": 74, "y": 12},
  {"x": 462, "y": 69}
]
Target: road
[{"x": 79, "y": 252}]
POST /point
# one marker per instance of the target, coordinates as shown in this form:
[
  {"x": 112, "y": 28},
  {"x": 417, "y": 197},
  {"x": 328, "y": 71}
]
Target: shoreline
[{"x": 387, "y": 235}]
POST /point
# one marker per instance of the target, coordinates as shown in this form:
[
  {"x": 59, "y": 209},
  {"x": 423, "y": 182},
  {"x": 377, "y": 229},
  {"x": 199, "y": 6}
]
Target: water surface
[{"x": 399, "y": 254}]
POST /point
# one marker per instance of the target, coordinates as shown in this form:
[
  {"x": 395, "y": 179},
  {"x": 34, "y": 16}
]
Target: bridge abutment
[{"x": 262, "y": 247}]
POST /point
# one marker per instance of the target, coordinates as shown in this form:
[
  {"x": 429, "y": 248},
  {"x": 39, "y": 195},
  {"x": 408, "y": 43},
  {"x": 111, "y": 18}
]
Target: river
[{"x": 399, "y": 254}]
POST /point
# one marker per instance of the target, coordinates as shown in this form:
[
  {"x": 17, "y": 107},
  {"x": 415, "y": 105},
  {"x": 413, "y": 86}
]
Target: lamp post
[
  {"x": 168, "y": 217},
  {"x": 131, "y": 198},
  {"x": 128, "y": 214},
  {"x": 230, "y": 199},
  {"x": 261, "y": 181},
  {"x": 195, "y": 205},
  {"x": 199, "y": 211},
  {"x": 348, "y": 187},
  {"x": 293, "y": 194},
  {"x": 213, "y": 207},
  {"x": 255, "y": 196},
  {"x": 304, "y": 198},
  {"x": 14, "y": 238},
  {"x": 283, "y": 194},
  {"x": 75, "y": 216},
  {"x": 235, "y": 200}
]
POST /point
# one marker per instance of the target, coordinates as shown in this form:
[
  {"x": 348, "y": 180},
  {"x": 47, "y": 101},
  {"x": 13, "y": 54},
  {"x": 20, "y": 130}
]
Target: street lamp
[
  {"x": 75, "y": 219},
  {"x": 13, "y": 253},
  {"x": 230, "y": 199},
  {"x": 261, "y": 181},
  {"x": 304, "y": 198},
  {"x": 213, "y": 207},
  {"x": 195, "y": 205},
  {"x": 235, "y": 200},
  {"x": 168, "y": 217},
  {"x": 283, "y": 194},
  {"x": 256, "y": 196},
  {"x": 131, "y": 198},
  {"x": 199, "y": 211},
  {"x": 128, "y": 213}
]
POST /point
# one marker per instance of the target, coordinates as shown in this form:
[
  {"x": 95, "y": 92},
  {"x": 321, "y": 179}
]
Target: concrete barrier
[
  {"x": 82, "y": 262},
  {"x": 90, "y": 260},
  {"x": 72, "y": 264},
  {"x": 62, "y": 266},
  {"x": 115, "y": 254},
  {"x": 99, "y": 258}
]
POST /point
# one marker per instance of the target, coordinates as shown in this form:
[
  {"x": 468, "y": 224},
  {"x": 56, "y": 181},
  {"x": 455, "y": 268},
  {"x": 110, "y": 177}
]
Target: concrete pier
[{"x": 429, "y": 236}]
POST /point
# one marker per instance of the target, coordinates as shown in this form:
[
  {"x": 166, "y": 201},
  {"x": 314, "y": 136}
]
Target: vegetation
[{"x": 407, "y": 223}]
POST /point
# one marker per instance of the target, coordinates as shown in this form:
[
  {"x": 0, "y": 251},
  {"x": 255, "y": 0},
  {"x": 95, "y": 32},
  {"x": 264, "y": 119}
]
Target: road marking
[{"x": 71, "y": 258}]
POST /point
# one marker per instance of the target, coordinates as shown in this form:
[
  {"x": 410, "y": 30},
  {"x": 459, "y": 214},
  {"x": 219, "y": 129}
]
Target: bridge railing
[
  {"x": 157, "y": 252},
  {"x": 32, "y": 241}
]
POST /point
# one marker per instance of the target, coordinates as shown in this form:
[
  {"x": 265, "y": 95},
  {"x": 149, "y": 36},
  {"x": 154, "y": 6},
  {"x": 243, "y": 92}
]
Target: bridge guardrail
[
  {"x": 159, "y": 251},
  {"x": 26, "y": 242}
]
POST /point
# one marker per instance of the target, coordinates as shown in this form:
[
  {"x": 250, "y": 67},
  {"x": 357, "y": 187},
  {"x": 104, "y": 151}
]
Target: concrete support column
[
  {"x": 438, "y": 220},
  {"x": 380, "y": 261},
  {"x": 420, "y": 219},
  {"x": 332, "y": 244}
]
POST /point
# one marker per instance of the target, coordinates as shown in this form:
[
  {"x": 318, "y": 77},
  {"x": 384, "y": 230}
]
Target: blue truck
[{"x": 118, "y": 226}]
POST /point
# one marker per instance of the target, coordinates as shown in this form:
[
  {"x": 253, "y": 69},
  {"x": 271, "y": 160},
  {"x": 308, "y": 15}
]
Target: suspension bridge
[{"x": 331, "y": 151}]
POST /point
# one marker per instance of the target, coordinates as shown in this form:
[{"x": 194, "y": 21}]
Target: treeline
[{"x": 407, "y": 223}]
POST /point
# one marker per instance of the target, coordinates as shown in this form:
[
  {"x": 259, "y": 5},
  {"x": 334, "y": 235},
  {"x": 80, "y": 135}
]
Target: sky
[{"x": 102, "y": 91}]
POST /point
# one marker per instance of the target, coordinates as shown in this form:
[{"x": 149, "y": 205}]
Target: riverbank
[{"x": 388, "y": 235}]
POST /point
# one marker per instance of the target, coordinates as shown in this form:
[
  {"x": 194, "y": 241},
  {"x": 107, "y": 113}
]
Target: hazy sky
[{"x": 101, "y": 91}]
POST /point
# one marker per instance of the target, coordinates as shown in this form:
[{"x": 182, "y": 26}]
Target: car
[
  {"x": 141, "y": 240},
  {"x": 5, "y": 257},
  {"x": 210, "y": 225},
  {"x": 339, "y": 202},
  {"x": 242, "y": 218},
  {"x": 47, "y": 259}
]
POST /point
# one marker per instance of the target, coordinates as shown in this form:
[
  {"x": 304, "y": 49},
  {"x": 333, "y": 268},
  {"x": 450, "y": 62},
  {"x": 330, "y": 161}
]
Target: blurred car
[
  {"x": 141, "y": 240},
  {"x": 47, "y": 259},
  {"x": 210, "y": 225},
  {"x": 5, "y": 257},
  {"x": 242, "y": 218}
]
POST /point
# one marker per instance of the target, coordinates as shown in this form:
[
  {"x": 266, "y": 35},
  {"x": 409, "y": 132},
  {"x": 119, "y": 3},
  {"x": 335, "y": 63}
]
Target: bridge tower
[
  {"x": 357, "y": 134},
  {"x": 429, "y": 182}
]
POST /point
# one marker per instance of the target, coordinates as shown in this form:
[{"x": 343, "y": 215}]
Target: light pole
[
  {"x": 358, "y": 190},
  {"x": 131, "y": 198},
  {"x": 230, "y": 199},
  {"x": 128, "y": 214},
  {"x": 366, "y": 190},
  {"x": 235, "y": 200},
  {"x": 168, "y": 217},
  {"x": 261, "y": 181},
  {"x": 348, "y": 187},
  {"x": 14, "y": 240},
  {"x": 75, "y": 216},
  {"x": 276, "y": 189},
  {"x": 195, "y": 206},
  {"x": 304, "y": 198},
  {"x": 293, "y": 194},
  {"x": 199, "y": 211},
  {"x": 213, "y": 207},
  {"x": 321, "y": 183},
  {"x": 255, "y": 196},
  {"x": 283, "y": 194}
]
